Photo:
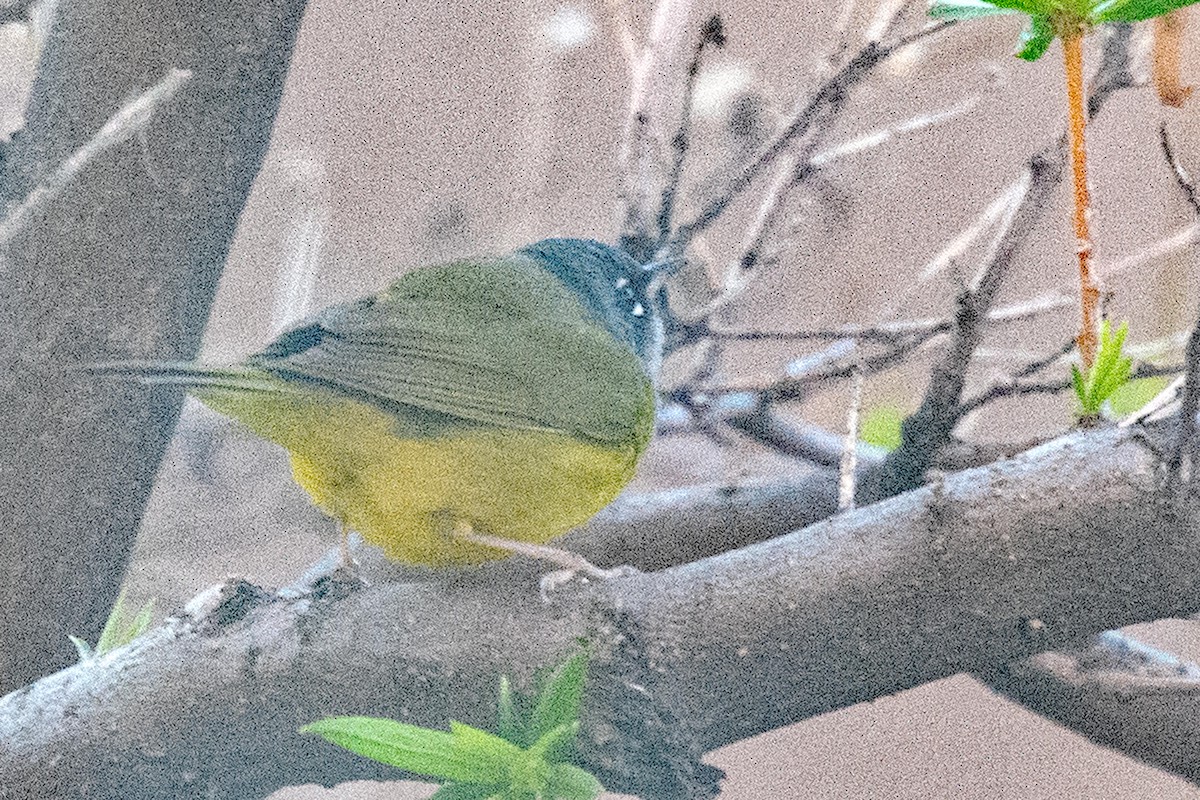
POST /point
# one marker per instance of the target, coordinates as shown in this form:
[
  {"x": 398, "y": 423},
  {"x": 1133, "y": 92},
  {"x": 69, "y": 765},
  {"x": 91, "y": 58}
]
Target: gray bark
[
  {"x": 123, "y": 263},
  {"x": 986, "y": 566}
]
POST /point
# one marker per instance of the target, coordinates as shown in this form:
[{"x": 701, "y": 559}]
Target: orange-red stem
[
  {"x": 1168, "y": 43},
  {"x": 1089, "y": 292}
]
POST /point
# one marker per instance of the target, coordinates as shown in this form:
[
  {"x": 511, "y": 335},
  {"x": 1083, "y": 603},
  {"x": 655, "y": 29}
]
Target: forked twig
[{"x": 129, "y": 120}]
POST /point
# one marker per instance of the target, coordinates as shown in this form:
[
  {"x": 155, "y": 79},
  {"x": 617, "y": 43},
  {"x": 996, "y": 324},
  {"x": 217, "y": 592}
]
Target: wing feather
[{"x": 504, "y": 354}]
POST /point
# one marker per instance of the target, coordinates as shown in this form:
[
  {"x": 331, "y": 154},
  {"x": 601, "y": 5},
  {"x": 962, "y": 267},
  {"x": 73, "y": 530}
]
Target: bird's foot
[
  {"x": 551, "y": 582},
  {"x": 571, "y": 565}
]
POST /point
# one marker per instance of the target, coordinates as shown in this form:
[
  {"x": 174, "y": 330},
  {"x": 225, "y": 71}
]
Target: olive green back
[{"x": 483, "y": 342}]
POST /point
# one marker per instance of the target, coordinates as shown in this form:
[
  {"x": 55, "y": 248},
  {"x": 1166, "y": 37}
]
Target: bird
[{"x": 470, "y": 410}]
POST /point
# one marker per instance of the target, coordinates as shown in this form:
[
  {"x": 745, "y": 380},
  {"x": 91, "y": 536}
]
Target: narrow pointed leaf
[
  {"x": 463, "y": 791},
  {"x": 465, "y": 755},
  {"x": 1036, "y": 38},
  {"x": 555, "y": 745},
  {"x": 1115, "y": 378},
  {"x": 83, "y": 648},
  {"x": 569, "y": 782},
  {"x": 559, "y": 700},
  {"x": 119, "y": 630},
  {"x": 966, "y": 9},
  {"x": 507, "y": 724},
  {"x": 1135, "y": 10},
  {"x": 1080, "y": 389}
]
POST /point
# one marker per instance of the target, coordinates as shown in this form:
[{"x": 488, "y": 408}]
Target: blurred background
[{"x": 421, "y": 131}]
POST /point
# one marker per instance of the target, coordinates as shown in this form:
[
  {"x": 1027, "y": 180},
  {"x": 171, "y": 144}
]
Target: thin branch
[
  {"x": 1039, "y": 364},
  {"x": 849, "y": 461},
  {"x": 640, "y": 146},
  {"x": 997, "y": 216},
  {"x": 1183, "y": 179},
  {"x": 831, "y": 94},
  {"x": 711, "y": 32},
  {"x": 888, "y": 332},
  {"x": 1135, "y": 262},
  {"x": 793, "y": 171},
  {"x": 130, "y": 120},
  {"x": 1181, "y": 458},
  {"x": 760, "y": 421},
  {"x": 931, "y": 426},
  {"x": 883, "y": 135},
  {"x": 1119, "y": 693},
  {"x": 1016, "y": 387}
]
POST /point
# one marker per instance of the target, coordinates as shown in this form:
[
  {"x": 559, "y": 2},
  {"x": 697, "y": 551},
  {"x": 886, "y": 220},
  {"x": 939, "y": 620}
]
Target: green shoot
[
  {"x": 1070, "y": 21},
  {"x": 1134, "y": 395},
  {"x": 121, "y": 628},
  {"x": 1055, "y": 18},
  {"x": 528, "y": 760},
  {"x": 1108, "y": 374}
]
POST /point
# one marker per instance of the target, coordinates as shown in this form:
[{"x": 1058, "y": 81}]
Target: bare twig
[
  {"x": 849, "y": 461},
  {"x": 832, "y": 94},
  {"x": 1015, "y": 386},
  {"x": 1119, "y": 693},
  {"x": 711, "y": 32},
  {"x": 1183, "y": 179},
  {"x": 931, "y": 426},
  {"x": 998, "y": 215},
  {"x": 1181, "y": 458},
  {"x": 759, "y": 420},
  {"x": 793, "y": 171},
  {"x": 122, "y": 126},
  {"x": 640, "y": 146},
  {"x": 883, "y": 135},
  {"x": 1134, "y": 262}
]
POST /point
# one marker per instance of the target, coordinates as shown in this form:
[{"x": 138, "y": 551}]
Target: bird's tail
[{"x": 187, "y": 375}]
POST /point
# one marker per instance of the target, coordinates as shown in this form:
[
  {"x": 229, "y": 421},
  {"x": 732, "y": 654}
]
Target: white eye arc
[
  {"x": 622, "y": 283},
  {"x": 639, "y": 310}
]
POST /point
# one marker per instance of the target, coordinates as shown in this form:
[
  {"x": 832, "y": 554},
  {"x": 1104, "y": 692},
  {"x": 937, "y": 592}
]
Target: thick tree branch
[
  {"x": 122, "y": 263},
  {"x": 987, "y": 566},
  {"x": 1119, "y": 693}
]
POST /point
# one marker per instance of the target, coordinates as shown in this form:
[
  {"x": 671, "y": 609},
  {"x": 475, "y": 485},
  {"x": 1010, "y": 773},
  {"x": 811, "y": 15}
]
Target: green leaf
[
  {"x": 508, "y": 726},
  {"x": 464, "y": 755},
  {"x": 83, "y": 648},
  {"x": 880, "y": 426},
  {"x": 555, "y": 745},
  {"x": 1135, "y": 10},
  {"x": 967, "y": 9},
  {"x": 569, "y": 782},
  {"x": 463, "y": 791},
  {"x": 1036, "y": 38},
  {"x": 1080, "y": 389},
  {"x": 1109, "y": 372},
  {"x": 1135, "y": 394},
  {"x": 119, "y": 630},
  {"x": 560, "y": 698}
]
